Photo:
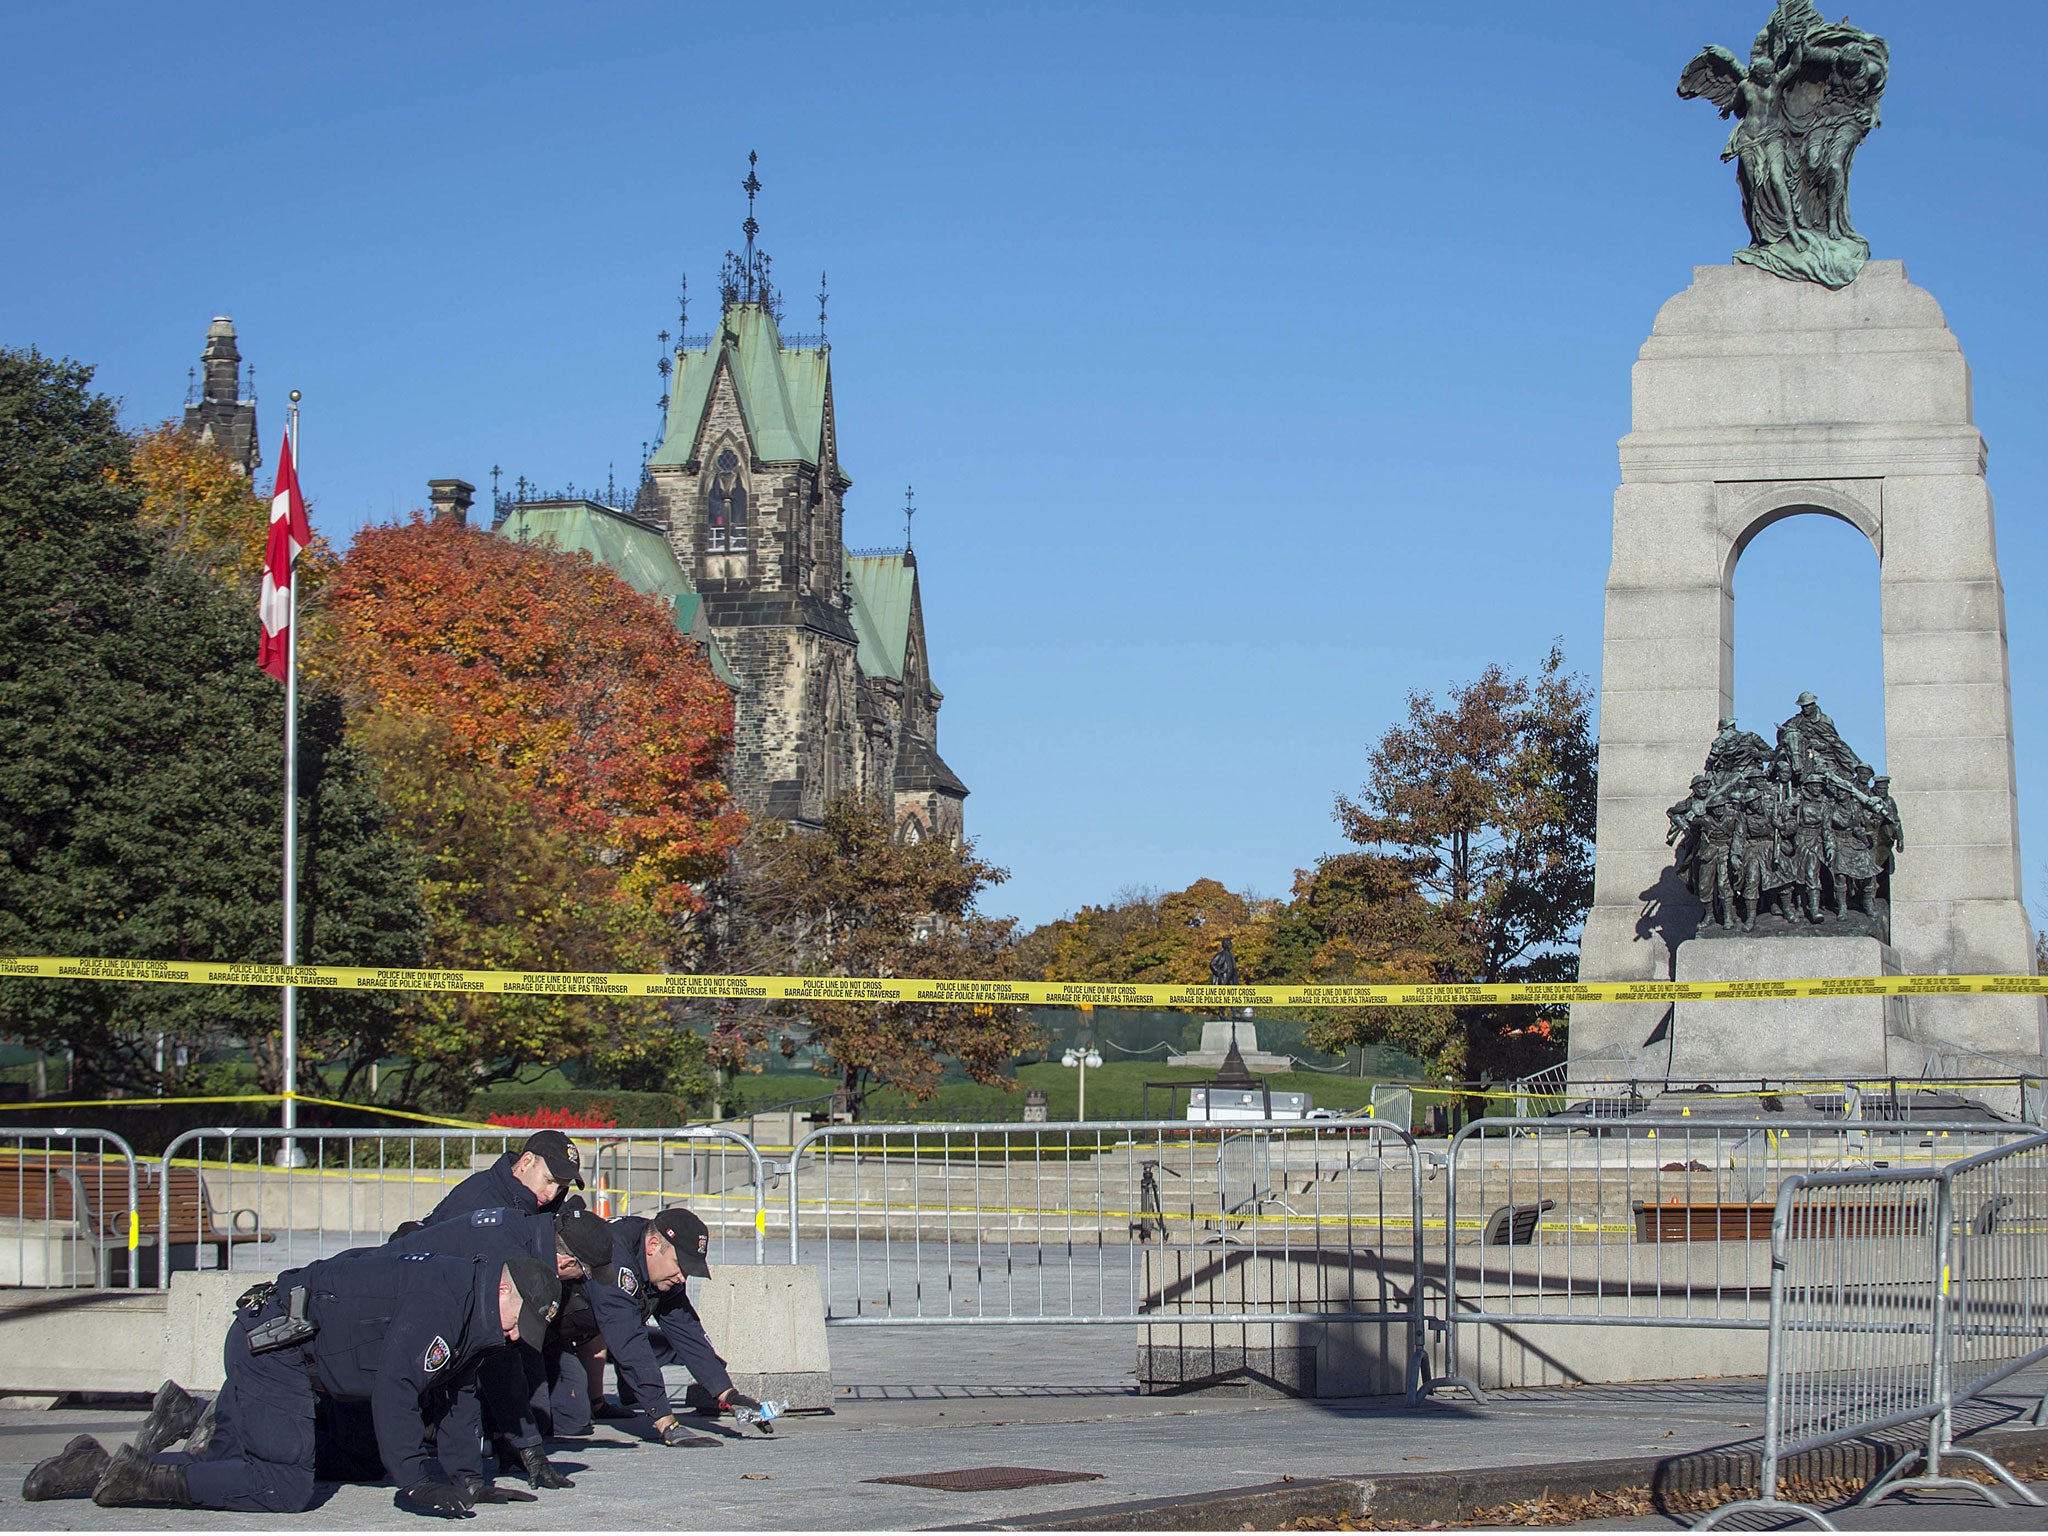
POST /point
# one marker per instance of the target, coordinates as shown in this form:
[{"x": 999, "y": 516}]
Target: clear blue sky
[{"x": 1254, "y": 364}]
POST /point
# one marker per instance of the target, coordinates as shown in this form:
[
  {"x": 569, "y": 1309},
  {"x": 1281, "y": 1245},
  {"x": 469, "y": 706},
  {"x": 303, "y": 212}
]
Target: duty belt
[{"x": 290, "y": 1327}]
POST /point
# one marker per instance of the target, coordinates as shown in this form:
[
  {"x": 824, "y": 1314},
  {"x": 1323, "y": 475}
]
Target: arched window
[{"x": 726, "y": 508}]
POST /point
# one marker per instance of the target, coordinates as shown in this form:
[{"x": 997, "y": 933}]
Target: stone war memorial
[{"x": 1803, "y": 378}]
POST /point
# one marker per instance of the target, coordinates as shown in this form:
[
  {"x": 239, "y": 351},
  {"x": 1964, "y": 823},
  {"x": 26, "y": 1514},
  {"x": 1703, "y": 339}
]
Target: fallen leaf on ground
[{"x": 756, "y": 1477}]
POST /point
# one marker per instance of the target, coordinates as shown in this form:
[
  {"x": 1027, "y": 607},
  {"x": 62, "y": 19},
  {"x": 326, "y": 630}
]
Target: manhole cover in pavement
[{"x": 987, "y": 1479}]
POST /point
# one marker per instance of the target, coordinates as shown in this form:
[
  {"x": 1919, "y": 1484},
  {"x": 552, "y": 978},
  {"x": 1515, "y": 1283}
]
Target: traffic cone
[{"x": 601, "y": 1199}]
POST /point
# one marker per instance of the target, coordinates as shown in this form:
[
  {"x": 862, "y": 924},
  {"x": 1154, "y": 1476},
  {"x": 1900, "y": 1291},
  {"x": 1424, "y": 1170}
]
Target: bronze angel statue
[{"x": 1806, "y": 100}]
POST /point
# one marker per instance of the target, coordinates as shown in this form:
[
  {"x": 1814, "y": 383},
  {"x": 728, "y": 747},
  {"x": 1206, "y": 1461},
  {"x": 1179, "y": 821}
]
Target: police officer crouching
[
  {"x": 535, "y": 1178},
  {"x": 405, "y": 1333},
  {"x": 646, "y": 1282},
  {"x": 577, "y": 1242}
]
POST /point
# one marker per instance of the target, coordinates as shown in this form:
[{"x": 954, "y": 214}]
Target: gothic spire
[{"x": 744, "y": 278}]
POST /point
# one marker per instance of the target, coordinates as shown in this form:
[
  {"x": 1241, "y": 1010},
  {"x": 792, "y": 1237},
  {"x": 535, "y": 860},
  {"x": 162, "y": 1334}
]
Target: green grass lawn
[{"x": 1115, "y": 1092}]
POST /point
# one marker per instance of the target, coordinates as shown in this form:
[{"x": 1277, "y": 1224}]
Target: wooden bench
[
  {"x": 1720, "y": 1222},
  {"x": 90, "y": 1195}
]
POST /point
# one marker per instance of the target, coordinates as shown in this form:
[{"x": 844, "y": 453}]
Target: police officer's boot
[
  {"x": 171, "y": 1418},
  {"x": 202, "y": 1432},
  {"x": 70, "y": 1474},
  {"x": 133, "y": 1478}
]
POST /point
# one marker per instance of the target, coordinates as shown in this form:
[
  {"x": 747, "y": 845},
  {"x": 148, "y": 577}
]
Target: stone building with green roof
[{"x": 824, "y": 649}]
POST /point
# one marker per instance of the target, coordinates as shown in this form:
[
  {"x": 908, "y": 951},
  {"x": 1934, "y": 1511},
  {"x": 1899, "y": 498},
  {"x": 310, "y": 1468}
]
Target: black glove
[
  {"x": 434, "y": 1497},
  {"x": 483, "y": 1491},
  {"x": 677, "y": 1435},
  {"x": 540, "y": 1472},
  {"x": 738, "y": 1399}
]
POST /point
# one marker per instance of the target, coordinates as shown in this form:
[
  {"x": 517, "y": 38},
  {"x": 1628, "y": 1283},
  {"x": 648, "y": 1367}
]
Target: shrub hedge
[{"x": 583, "y": 1106}]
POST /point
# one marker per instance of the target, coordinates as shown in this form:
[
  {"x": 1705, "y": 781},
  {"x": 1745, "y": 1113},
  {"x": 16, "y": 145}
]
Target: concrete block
[
  {"x": 1952, "y": 762},
  {"x": 199, "y": 1307},
  {"x": 1333, "y": 1359},
  {"x": 1914, "y": 604},
  {"x": 1949, "y": 877},
  {"x": 768, "y": 1321},
  {"x": 1620, "y": 1040},
  {"x": 1988, "y": 938},
  {"x": 1646, "y": 615},
  {"x": 1952, "y": 708},
  {"x": 47, "y": 1253},
  {"x": 1958, "y": 818},
  {"x": 1965, "y": 656},
  {"x": 1616, "y": 947},
  {"x": 81, "y": 1341},
  {"x": 1552, "y": 1354},
  {"x": 1683, "y": 707},
  {"x": 1715, "y": 1042}
]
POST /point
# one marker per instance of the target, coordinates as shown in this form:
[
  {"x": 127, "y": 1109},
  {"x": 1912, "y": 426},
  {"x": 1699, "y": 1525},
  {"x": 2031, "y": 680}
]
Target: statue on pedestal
[
  {"x": 1806, "y": 99},
  {"x": 1782, "y": 841}
]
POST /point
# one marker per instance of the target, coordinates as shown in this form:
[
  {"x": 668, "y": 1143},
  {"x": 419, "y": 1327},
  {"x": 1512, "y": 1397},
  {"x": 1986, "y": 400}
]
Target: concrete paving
[
  {"x": 929, "y": 1399},
  {"x": 1931, "y": 1511}
]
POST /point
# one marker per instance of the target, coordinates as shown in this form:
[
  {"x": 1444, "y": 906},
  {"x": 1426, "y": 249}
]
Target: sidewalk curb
[{"x": 1426, "y": 1498}]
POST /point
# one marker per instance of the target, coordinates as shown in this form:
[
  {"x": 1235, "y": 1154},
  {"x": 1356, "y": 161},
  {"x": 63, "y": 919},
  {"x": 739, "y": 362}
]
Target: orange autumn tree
[
  {"x": 211, "y": 514},
  {"x": 548, "y": 669},
  {"x": 551, "y": 746}
]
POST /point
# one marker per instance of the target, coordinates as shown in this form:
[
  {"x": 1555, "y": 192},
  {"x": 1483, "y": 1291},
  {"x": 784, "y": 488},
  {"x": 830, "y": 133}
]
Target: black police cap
[
  {"x": 559, "y": 1153},
  {"x": 585, "y": 1235},
  {"x": 690, "y": 1238},
  {"x": 540, "y": 1297}
]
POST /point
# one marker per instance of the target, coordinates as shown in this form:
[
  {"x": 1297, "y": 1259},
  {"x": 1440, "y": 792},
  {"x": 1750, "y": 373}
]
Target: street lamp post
[{"x": 1084, "y": 1058}]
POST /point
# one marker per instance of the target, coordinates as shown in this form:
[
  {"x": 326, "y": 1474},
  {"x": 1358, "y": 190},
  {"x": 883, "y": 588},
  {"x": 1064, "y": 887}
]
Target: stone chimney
[{"x": 451, "y": 498}]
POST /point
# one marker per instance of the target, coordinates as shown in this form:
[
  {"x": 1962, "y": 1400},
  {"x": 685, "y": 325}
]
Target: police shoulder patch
[
  {"x": 437, "y": 1354},
  {"x": 487, "y": 1217},
  {"x": 628, "y": 1281}
]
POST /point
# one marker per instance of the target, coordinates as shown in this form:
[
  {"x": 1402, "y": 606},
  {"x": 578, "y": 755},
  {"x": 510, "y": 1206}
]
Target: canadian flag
[{"x": 289, "y": 533}]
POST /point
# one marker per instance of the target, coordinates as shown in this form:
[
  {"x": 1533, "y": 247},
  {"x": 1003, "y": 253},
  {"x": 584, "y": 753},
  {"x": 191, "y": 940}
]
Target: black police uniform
[
  {"x": 487, "y": 1189},
  {"x": 402, "y": 1332},
  {"x": 624, "y": 1303},
  {"x": 510, "y": 1382}
]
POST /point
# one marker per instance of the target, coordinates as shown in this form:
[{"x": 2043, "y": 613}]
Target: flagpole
[{"x": 289, "y": 1155}]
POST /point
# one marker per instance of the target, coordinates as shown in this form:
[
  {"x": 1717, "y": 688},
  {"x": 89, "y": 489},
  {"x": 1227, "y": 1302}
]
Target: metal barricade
[
  {"x": 68, "y": 1209},
  {"x": 1895, "y": 1296},
  {"x": 1994, "y": 1265},
  {"x": 1166, "y": 1223},
  {"x": 1641, "y": 1221},
  {"x": 262, "y": 1198}
]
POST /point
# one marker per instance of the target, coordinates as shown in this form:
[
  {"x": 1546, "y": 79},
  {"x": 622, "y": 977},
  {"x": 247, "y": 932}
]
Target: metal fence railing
[
  {"x": 269, "y": 1199},
  {"x": 68, "y": 1209},
  {"x": 1645, "y": 1222},
  {"x": 1174, "y": 1225},
  {"x": 1897, "y": 1295}
]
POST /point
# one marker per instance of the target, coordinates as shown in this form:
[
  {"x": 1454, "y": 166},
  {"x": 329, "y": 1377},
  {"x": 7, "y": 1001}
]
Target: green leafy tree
[
  {"x": 140, "y": 798},
  {"x": 849, "y": 899},
  {"x": 1151, "y": 939},
  {"x": 1475, "y": 825}
]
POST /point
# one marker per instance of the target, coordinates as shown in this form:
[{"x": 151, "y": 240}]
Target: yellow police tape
[
  {"x": 261, "y": 1098},
  {"x": 903, "y": 989}
]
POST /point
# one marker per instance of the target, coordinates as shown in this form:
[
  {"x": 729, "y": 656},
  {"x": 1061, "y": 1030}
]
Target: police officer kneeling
[
  {"x": 403, "y": 1332},
  {"x": 646, "y": 1284},
  {"x": 576, "y": 1242}
]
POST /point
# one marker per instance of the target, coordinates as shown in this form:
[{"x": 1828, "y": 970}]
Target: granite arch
[{"x": 1756, "y": 400}]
